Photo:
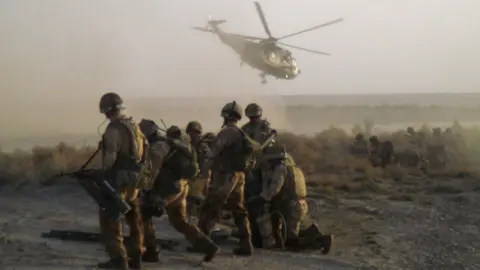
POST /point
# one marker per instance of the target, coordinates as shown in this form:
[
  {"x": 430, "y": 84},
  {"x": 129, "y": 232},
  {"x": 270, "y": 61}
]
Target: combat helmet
[
  {"x": 410, "y": 130},
  {"x": 208, "y": 137},
  {"x": 110, "y": 102},
  {"x": 148, "y": 127},
  {"x": 359, "y": 137},
  {"x": 232, "y": 110},
  {"x": 253, "y": 110},
  {"x": 194, "y": 126},
  {"x": 174, "y": 132}
]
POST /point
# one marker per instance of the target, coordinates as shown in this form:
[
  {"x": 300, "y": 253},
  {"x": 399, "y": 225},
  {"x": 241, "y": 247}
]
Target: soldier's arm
[
  {"x": 158, "y": 153},
  {"x": 224, "y": 138},
  {"x": 204, "y": 151},
  {"x": 111, "y": 144},
  {"x": 278, "y": 180}
]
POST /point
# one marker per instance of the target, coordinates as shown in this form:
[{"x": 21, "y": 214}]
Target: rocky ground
[{"x": 417, "y": 224}]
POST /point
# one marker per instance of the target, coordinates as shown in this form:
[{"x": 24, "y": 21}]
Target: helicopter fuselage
[
  {"x": 264, "y": 54},
  {"x": 267, "y": 58}
]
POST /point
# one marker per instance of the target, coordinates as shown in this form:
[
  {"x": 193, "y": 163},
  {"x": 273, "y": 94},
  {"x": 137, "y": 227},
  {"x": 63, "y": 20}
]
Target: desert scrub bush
[
  {"x": 324, "y": 158},
  {"x": 41, "y": 163}
]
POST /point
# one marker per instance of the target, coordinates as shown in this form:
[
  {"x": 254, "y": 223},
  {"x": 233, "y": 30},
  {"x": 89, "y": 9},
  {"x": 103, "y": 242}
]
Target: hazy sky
[{"x": 87, "y": 47}]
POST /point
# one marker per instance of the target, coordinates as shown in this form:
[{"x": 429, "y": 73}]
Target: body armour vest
[
  {"x": 176, "y": 166},
  {"x": 258, "y": 130},
  {"x": 132, "y": 151},
  {"x": 234, "y": 157}
]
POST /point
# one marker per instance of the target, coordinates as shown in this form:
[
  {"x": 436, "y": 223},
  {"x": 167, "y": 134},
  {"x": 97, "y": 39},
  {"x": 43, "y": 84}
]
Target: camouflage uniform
[
  {"x": 199, "y": 186},
  {"x": 173, "y": 193},
  {"x": 285, "y": 188},
  {"x": 122, "y": 150},
  {"x": 228, "y": 164},
  {"x": 257, "y": 128}
]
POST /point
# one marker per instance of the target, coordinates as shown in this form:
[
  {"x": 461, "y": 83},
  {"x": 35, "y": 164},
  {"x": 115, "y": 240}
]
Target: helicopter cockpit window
[
  {"x": 293, "y": 62},
  {"x": 287, "y": 59}
]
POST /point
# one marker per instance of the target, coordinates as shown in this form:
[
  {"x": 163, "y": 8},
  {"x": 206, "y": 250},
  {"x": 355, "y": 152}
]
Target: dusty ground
[{"x": 413, "y": 224}]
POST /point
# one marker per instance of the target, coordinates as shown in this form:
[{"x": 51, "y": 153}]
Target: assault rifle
[
  {"x": 79, "y": 236},
  {"x": 94, "y": 183}
]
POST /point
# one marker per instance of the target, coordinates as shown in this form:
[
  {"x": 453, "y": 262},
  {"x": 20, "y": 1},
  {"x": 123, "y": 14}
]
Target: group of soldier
[
  {"x": 413, "y": 149},
  {"x": 240, "y": 169}
]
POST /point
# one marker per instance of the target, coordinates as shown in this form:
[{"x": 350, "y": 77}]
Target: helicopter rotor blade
[
  {"x": 304, "y": 49},
  {"x": 262, "y": 18},
  {"x": 312, "y": 28}
]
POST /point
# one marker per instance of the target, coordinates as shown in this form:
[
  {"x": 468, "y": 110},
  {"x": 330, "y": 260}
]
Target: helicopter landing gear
[{"x": 264, "y": 80}]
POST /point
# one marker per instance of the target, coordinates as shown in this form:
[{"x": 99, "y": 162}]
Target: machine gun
[{"x": 94, "y": 183}]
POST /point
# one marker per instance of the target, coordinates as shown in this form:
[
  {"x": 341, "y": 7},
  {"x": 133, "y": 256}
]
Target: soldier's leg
[
  {"x": 134, "y": 220},
  {"x": 151, "y": 253},
  {"x": 177, "y": 215},
  {"x": 236, "y": 203},
  {"x": 277, "y": 230},
  {"x": 218, "y": 192},
  {"x": 265, "y": 228},
  {"x": 112, "y": 237},
  {"x": 294, "y": 212}
]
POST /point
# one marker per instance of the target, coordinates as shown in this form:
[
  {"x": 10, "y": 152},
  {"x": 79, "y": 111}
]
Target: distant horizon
[{"x": 260, "y": 94}]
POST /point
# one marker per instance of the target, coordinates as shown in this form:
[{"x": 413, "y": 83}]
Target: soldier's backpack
[{"x": 182, "y": 159}]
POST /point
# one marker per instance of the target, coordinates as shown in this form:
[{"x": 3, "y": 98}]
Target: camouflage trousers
[
  {"x": 199, "y": 187},
  {"x": 294, "y": 211},
  {"x": 112, "y": 231},
  {"x": 226, "y": 191},
  {"x": 176, "y": 208}
]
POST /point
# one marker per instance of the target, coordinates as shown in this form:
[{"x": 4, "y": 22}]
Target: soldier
[
  {"x": 230, "y": 152},
  {"x": 284, "y": 187},
  {"x": 381, "y": 153},
  {"x": 123, "y": 153},
  {"x": 194, "y": 130},
  {"x": 359, "y": 147},
  {"x": 257, "y": 128},
  {"x": 171, "y": 189}
]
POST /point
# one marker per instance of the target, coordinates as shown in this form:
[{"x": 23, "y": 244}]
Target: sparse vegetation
[{"x": 324, "y": 158}]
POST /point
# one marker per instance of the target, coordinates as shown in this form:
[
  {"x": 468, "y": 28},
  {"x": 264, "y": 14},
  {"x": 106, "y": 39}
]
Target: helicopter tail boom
[{"x": 211, "y": 26}]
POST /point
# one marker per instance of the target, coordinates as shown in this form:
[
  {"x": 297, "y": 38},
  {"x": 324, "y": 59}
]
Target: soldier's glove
[{"x": 152, "y": 206}]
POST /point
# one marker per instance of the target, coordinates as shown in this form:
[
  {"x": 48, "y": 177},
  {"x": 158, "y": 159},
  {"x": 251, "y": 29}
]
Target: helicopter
[{"x": 264, "y": 54}]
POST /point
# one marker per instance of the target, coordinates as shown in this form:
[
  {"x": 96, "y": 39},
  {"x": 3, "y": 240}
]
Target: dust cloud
[{"x": 59, "y": 57}]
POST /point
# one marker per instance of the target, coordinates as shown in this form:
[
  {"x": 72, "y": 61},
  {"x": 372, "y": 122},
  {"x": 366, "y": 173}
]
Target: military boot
[
  {"x": 150, "y": 255},
  {"x": 135, "y": 261},
  {"x": 326, "y": 241},
  {"x": 209, "y": 248},
  {"x": 245, "y": 247},
  {"x": 116, "y": 263}
]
